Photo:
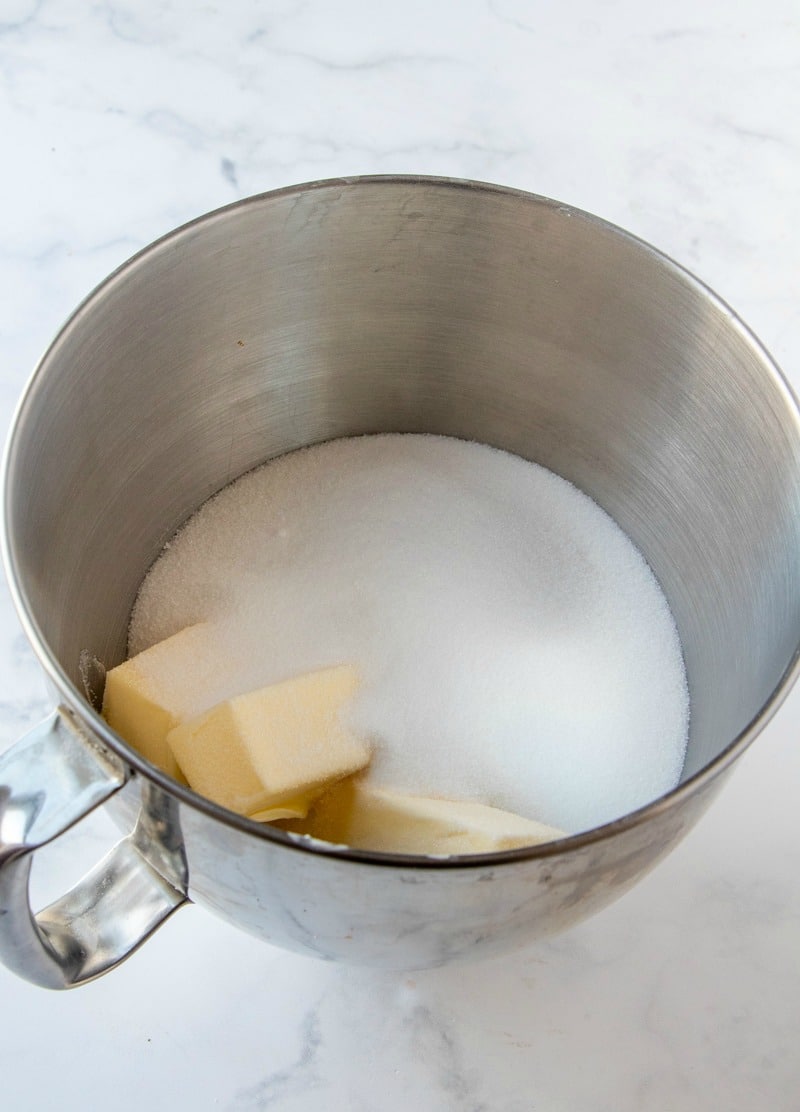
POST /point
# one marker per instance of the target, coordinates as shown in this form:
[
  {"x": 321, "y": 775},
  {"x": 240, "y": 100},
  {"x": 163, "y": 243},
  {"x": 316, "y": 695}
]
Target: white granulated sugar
[{"x": 514, "y": 645}]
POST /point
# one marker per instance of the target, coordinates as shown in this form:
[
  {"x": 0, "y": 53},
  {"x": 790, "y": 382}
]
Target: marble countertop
[{"x": 122, "y": 119}]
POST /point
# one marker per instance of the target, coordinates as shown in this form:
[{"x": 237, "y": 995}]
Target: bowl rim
[{"x": 92, "y": 720}]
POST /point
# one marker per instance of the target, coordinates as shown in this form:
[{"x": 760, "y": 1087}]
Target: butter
[
  {"x": 291, "y": 809},
  {"x": 264, "y": 750},
  {"x": 357, "y": 814},
  {"x": 283, "y": 754},
  {"x": 150, "y": 694}
]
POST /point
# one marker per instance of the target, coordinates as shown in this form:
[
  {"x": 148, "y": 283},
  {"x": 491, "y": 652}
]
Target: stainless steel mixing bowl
[{"x": 374, "y": 305}]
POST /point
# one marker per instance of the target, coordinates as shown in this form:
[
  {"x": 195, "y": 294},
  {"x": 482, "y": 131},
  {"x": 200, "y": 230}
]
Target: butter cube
[
  {"x": 356, "y": 814},
  {"x": 150, "y": 694},
  {"x": 291, "y": 809},
  {"x": 266, "y": 748}
]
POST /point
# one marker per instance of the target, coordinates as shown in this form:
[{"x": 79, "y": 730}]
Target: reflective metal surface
[
  {"x": 52, "y": 778},
  {"x": 421, "y": 305}
]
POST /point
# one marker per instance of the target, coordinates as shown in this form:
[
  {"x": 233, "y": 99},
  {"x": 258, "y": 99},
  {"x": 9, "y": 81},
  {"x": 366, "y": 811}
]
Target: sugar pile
[{"x": 515, "y": 647}]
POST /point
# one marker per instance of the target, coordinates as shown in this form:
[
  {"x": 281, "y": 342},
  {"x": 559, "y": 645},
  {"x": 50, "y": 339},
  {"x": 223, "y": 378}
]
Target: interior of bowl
[{"x": 417, "y": 305}]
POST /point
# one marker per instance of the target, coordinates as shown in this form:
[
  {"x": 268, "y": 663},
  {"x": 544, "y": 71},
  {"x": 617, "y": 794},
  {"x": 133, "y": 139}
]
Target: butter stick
[
  {"x": 268, "y": 748},
  {"x": 150, "y": 694},
  {"x": 357, "y": 814}
]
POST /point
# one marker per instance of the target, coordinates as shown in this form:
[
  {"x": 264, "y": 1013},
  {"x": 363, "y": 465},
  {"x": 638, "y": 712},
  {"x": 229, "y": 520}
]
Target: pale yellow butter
[
  {"x": 265, "y": 749},
  {"x": 291, "y": 809},
  {"x": 150, "y": 694},
  {"x": 357, "y": 814}
]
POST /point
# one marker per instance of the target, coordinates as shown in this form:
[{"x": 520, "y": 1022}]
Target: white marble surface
[{"x": 123, "y": 118}]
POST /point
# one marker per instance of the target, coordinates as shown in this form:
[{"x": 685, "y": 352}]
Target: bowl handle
[{"x": 115, "y": 907}]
